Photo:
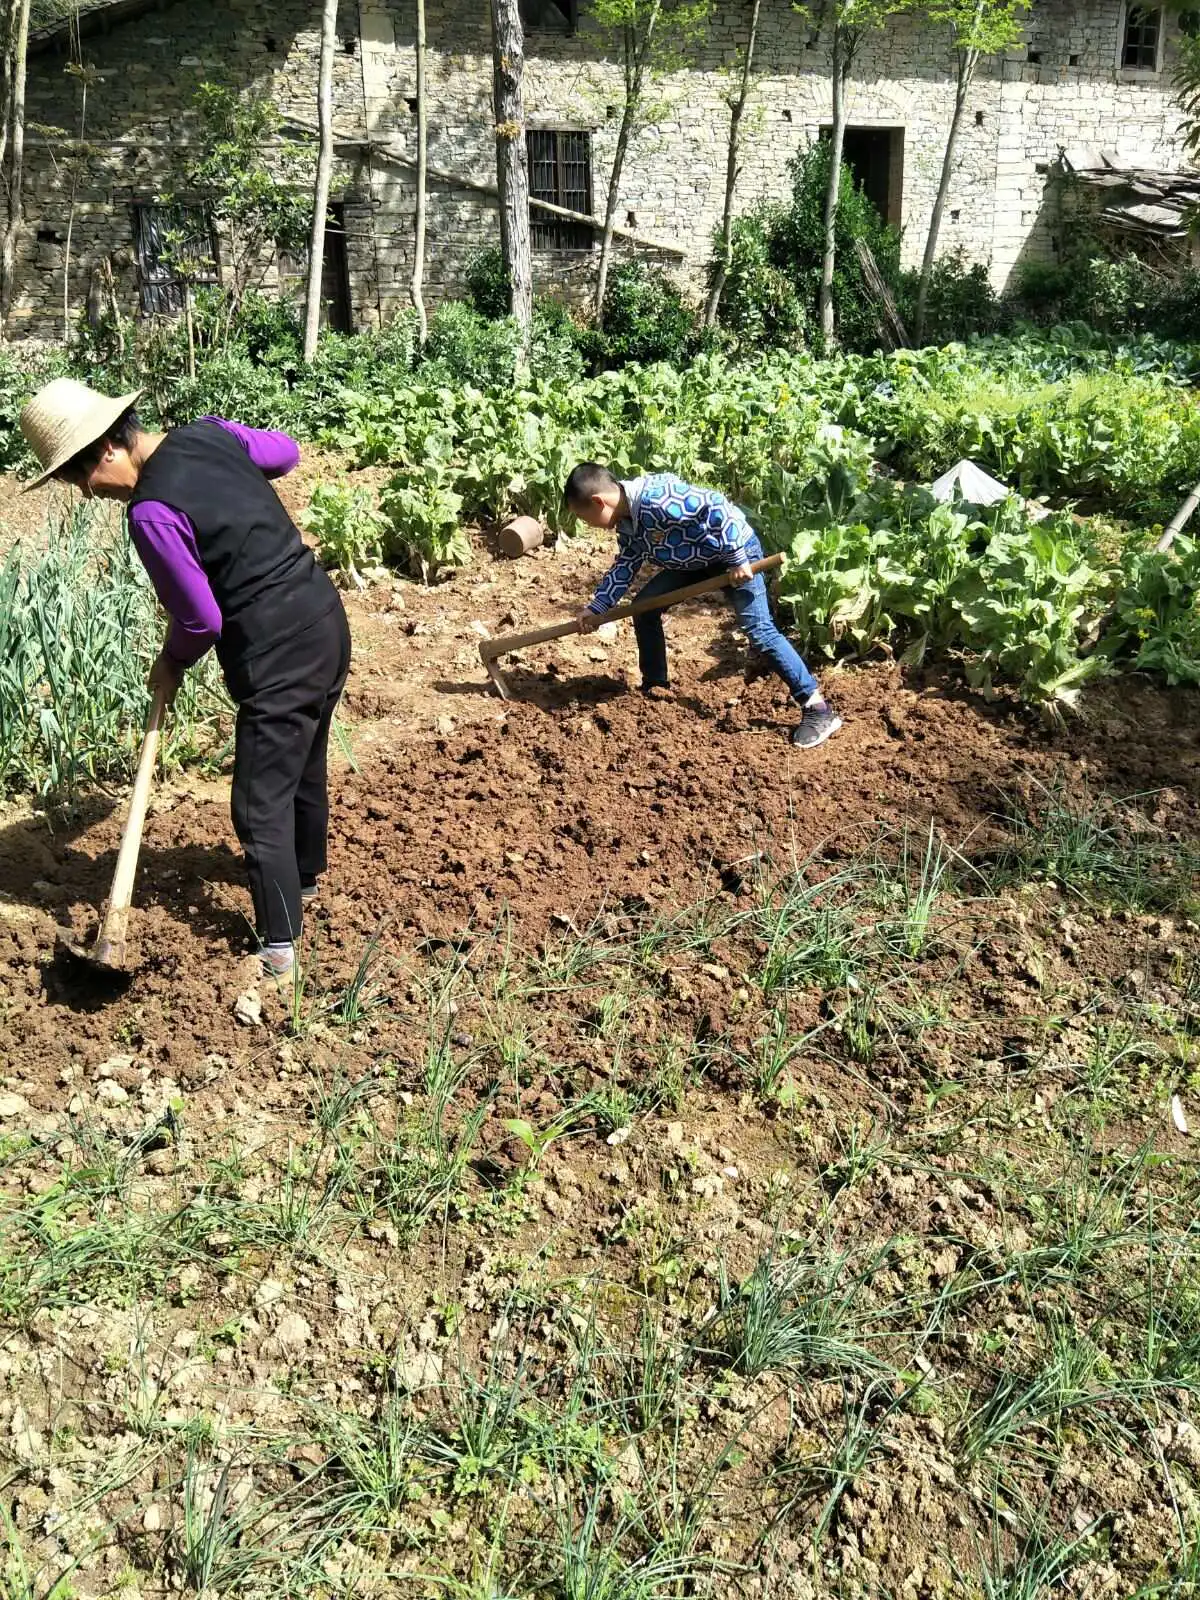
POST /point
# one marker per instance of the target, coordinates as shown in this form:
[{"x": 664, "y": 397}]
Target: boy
[
  {"x": 692, "y": 534},
  {"x": 233, "y": 573}
]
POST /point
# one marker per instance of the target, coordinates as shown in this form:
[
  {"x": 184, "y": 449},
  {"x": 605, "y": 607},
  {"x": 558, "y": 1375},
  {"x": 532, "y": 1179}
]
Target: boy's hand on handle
[
  {"x": 166, "y": 675},
  {"x": 741, "y": 574},
  {"x": 588, "y": 621}
]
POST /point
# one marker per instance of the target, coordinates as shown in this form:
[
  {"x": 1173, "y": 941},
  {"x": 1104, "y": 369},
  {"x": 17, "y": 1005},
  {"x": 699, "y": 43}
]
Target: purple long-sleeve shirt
[{"x": 166, "y": 543}]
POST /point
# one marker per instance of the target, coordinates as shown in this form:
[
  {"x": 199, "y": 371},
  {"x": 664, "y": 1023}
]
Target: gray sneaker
[{"x": 816, "y": 726}]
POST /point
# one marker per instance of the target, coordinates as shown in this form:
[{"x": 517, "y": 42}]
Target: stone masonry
[{"x": 1062, "y": 88}]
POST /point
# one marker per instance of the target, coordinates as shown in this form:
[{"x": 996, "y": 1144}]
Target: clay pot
[{"x": 520, "y": 536}]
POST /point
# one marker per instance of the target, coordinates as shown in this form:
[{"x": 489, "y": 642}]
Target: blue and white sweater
[{"x": 672, "y": 524}]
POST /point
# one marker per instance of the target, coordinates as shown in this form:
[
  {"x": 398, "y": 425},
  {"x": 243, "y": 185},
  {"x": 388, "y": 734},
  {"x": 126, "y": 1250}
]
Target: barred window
[
  {"x": 175, "y": 245},
  {"x": 1139, "y": 48},
  {"x": 560, "y": 171}
]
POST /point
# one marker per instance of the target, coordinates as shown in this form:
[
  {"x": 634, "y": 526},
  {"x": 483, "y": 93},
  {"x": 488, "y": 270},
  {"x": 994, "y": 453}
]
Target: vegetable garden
[
  {"x": 673, "y": 1170},
  {"x": 831, "y": 458}
]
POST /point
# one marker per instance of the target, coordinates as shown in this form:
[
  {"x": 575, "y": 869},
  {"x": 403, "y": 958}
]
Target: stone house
[{"x": 1091, "y": 79}]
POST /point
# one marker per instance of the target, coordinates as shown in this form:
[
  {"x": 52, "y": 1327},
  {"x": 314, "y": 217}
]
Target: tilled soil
[
  {"x": 525, "y": 836},
  {"x": 576, "y": 799}
]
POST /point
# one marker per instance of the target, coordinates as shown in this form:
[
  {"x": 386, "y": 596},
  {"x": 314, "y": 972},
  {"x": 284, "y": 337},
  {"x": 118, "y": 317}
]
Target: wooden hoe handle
[
  {"x": 489, "y": 649},
  {"x": 131, "y": 839}
]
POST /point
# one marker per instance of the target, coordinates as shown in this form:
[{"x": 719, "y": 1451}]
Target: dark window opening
[
  {"x": 175, "y": 245},
  {"x": 979, "y": 119},
  {"x": 269, "y": 45},
  {"x": 411, "y": 103},
  {"x": 1072, "y": 61},
  {"x": 560, "y": 171},
  {"x": 549, "y": 16},
  {"x": 336, "y": 311},
  {"x": 49, "y": 236},
  {"x": 1034, "y": 57},
  {"x": 875, "y": 157},
  {"x": 1139, "y": 48},
  {"x": 349, "y": 44}
]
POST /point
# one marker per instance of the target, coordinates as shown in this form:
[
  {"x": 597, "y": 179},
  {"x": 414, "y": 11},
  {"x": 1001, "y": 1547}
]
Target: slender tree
[
  {"x": 417, "y": 285},
  {"x": 851, "y": 21},
  {"x": 654, "y": 38},
  {"x": 14, "y": 121},
  {"x": 980, "y": 28},
  {"x": 737, "y": 110},
  {"x": 512, "y": 169},
  {"x": 84, "y": 75},
  {"x": 316, "y": 247}
]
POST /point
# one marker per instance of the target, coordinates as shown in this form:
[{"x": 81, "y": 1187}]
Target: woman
[{"x": 232, "y": 572}]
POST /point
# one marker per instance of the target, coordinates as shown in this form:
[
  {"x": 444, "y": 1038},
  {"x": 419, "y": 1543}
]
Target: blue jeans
[{"x": 753, "y": 611}]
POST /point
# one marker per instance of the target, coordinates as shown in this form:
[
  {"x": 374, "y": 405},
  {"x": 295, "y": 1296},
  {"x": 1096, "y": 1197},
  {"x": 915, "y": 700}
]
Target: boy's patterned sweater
[{"x": 672, "y": 524}]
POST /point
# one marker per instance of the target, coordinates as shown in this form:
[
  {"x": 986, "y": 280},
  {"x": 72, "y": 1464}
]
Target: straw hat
[{"x": 64, "y": 418}]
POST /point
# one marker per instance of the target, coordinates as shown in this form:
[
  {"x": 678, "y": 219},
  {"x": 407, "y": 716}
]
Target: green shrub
[
  {"x": 759, "y": 305},
  {"x": 20, "y": 378},
  {"x": 797, "y": 243},
  {"x": 487, "y": 283},
  {"x": 231, "y": 384},
  {"x": 774, "y": 292},
  {"x": 646, "y": 318},
  {"x": 464, "y": 347},
  {"x": 269, "y": 331},
  {"x": 961, "y": 301}
]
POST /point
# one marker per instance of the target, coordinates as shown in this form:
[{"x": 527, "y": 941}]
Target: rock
[
  {"x": 110, "y": 1093},
  {"x": 154, "y": 1519},
  {"x": 247, "y": 1008},
  {"x": 292, "y": 1331},
  {"x": 418, "y": 1369},
  {"x": 13, "y": 1105},
  {"x": 28, "y": 1444},
  {"x": 675, "y": 1133},
  {"x": 114, "y": 1066},
  {"x": 1184, "y": 1446},
  {"x": 268, "y": 1293},
  {"x": 607, "y": 632},
  {"x": 444, "y": 725}
]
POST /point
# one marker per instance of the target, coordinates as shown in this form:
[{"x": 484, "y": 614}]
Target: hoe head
[
  {"x": 488, "y": 657},
  {"x": 108, "y": 956}
]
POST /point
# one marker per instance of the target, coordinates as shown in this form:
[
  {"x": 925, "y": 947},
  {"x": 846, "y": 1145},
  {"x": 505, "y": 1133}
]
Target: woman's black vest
[{"x": 264, "y": 579}]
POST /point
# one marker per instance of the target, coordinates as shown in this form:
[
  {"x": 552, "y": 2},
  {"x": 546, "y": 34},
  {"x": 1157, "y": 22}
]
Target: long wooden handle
[
  {"x": 490, "y": 648},
  {"x": 131, "y": 839}
]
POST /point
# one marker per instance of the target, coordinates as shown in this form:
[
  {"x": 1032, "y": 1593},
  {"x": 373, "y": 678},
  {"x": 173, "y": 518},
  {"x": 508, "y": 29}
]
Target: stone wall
[
  {"x": 1061, "y": 87},
  {"x": 139, "y": 133}
]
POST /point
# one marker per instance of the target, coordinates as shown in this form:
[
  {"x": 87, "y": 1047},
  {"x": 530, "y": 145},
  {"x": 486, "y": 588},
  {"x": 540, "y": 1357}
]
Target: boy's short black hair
[
  {"x": 123, "y": 433},
  {"x": 587, "y": 479}
]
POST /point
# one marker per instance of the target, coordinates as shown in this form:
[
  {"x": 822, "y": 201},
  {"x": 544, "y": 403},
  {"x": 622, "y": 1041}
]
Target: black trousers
[{"x": 286, "y": 696}]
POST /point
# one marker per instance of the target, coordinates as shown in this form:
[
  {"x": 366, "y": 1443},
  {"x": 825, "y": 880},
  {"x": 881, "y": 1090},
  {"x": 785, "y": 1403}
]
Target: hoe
[
  {"x": 491, "y": 649},
  {"x": 108, "y": 953}
]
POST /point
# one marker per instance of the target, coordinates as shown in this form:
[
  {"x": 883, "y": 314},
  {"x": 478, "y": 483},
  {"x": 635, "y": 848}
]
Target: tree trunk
[
  {"x": 8, "y": 35},
  {"x": 417, "y": 286},
  {"x": 837, "y": 140},
  {"x": 637, "y": 53},
  {"x": 967, "y": 62},
  {"x": 512, "y": 170},
  {"x": 16, "y": 169},
  {"x": 76, "y": 167},
  {"x": 316, "y": 248},
  {"x": 736, "y": 112}
]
